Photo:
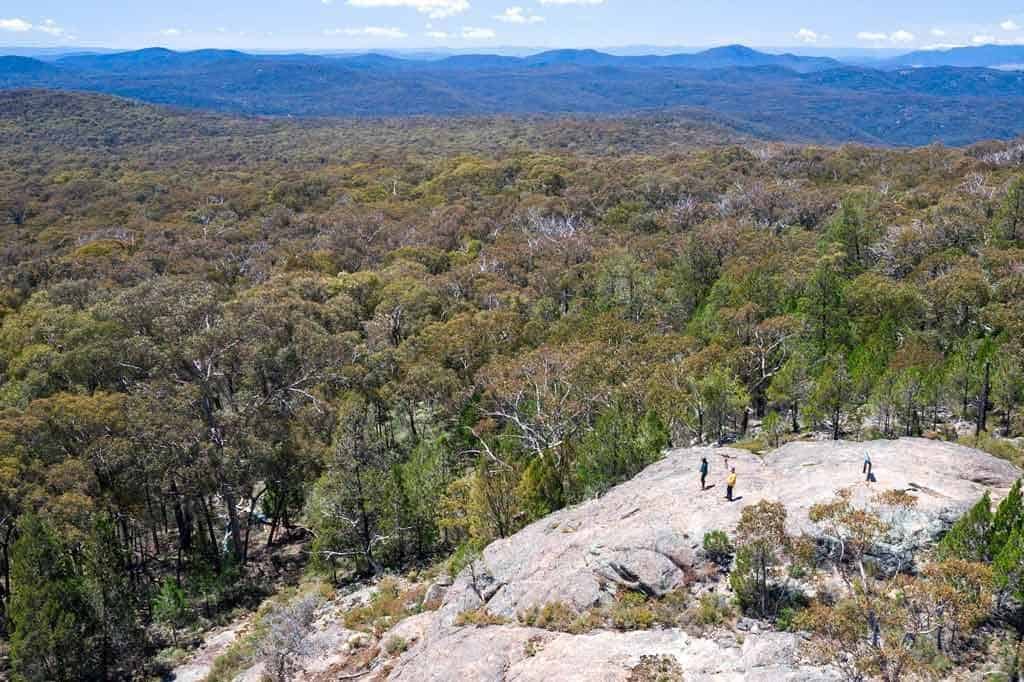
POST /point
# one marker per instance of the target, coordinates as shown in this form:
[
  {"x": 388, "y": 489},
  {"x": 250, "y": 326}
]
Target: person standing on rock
[
  {"x": 730, "y": 483},
  {"x": 703, "y": 473},
  {"x": 867, "y": 465}
]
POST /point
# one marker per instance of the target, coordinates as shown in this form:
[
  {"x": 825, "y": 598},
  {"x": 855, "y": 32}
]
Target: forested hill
[
  {"x": 241, "y": 345},
  {"x": 791, "y": 98}
]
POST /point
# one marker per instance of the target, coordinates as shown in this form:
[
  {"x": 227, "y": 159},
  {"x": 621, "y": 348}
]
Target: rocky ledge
[{"x": 646, "y": 535}]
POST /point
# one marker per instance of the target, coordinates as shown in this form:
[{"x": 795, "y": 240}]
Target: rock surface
[
  {"x": 518, "y": 653},
  {"x": 646, "y": 534}
]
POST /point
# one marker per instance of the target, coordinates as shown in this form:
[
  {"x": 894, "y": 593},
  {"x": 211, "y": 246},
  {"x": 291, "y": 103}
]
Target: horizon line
[{"x": 486, "y": 49}]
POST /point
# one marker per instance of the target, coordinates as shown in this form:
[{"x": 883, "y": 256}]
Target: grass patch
[
  {"x": 388, "y": 605},
  {"x": 236, "y": 659},
  {"x": 995, "y": 446},
  {"x": 396, "y": 645},
  {"x": 630, "y": 611},
  {"x": 479, "y": 618},
  {"x": 756, "y": 446}
]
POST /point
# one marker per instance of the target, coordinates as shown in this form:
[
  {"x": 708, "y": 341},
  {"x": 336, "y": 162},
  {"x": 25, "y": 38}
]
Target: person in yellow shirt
[{"x": 730, "y": 483}]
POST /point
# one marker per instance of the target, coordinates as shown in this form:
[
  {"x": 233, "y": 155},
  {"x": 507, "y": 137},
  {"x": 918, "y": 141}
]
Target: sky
[{"x": 479, "y": 24}]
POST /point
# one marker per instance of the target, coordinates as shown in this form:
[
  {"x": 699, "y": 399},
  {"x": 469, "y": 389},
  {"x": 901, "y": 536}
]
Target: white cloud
[
  {"x": 171, "y": 32},
  {"x": 517, "y": 15},
  {"x": 806, "y": 35},
  {"x": 941, "y": 46},
  {"x": 472, "y": 33},
  {"x": 1009, "y": 25},
  {"x": 938, "y": 33},
  {"x": 572, "y": 2},
  {"x": 50, "y": 26},
  {"x": 17, "y": 25},
  {"x": 435, "y": 9},
  {"x": 900, "y": 36},
  {"x": 983, "y": 40},
  {"x": 371, "y": 31},
  {"x": 437, "y": 35}
]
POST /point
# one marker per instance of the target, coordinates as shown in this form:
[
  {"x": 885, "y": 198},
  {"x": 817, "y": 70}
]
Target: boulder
[{"x": 436, "y": 593}]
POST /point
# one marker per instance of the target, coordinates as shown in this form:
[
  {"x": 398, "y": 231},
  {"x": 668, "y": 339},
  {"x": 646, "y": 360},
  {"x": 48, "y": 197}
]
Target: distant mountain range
[
  {"x": 789, "y": 96},
  {"x": 987, "y": 56}
]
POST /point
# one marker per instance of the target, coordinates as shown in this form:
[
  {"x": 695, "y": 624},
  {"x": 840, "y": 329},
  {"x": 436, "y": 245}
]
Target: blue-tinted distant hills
[
  {"x": 981, "y": 56},
  {"x": 26, "y": 67},
  {"x": 150, "y": 60},
  {"x": 788, "y": 96},
  {"x": 715, "y": 58}
]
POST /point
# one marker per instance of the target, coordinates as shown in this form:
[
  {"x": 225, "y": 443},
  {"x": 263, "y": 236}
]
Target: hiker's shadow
[
  {"x": 736, "y": 499},
  {"x": 709, "y": 487}
]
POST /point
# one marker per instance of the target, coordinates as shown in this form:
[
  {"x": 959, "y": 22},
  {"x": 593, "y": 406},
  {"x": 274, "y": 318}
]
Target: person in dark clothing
[
  {"x": 703, "y": 473},
  {"x": 867, "y": 465}
]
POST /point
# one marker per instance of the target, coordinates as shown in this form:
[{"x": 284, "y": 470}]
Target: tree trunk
[
  {"x": 215, "y": 546},
  {"x": 248, "y": 525},
  {"x": 983, "y": 400},
  {"x": 234, "y": 527},
  {"x": 183, "y": 519},
  {"x": 412, "y": 424}
]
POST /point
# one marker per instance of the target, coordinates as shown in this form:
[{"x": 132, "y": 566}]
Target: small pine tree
[
  {"x": 1009, "y": 517},
  {"x": 51, "y": 618},
  {"x": 971, "y": 537},
  {"x": 170, "y": 606},
  {"x": 1008, "y": 570},
  {"x": 773, "y": 428}
]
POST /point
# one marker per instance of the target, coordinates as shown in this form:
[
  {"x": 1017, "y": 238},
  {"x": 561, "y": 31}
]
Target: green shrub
[
  {"x": 718, "y": 547},
  {"x": 712, "y": 610},
  {"x": 786, "y": 620},
  {"x": 540, "y": 489}
]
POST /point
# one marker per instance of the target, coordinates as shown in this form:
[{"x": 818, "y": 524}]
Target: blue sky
[{"x": 397, "y": 24}]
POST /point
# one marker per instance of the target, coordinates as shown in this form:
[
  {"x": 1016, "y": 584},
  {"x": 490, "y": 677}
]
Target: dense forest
[{"x": 382, "y": 344}]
